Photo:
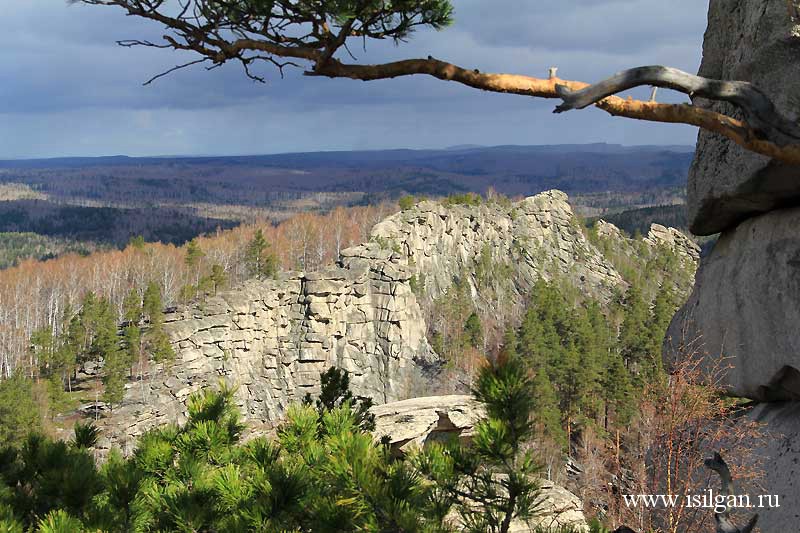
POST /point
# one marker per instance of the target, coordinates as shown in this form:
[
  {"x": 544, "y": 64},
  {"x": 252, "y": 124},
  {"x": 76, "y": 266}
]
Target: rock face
[
  {"x": 558, "y": 509},
  {"x": 779, "y": 449},
  {"x": 537, "y": 237},
  {"x": 273, "y": 338},
  {"x": 746, "y": 300},
  {"x": 756, "y": 41},
  {"x": 673, "y": 239},
  {"x": 746, "y": 306}
]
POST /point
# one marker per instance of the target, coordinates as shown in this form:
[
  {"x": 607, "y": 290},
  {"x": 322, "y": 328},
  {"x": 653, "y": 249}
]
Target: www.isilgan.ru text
[{"x": 707, "y": 500}]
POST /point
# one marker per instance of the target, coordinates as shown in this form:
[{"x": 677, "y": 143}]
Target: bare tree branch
[
  {"x": 173, "y": 69},
  {"x": 734, "y": 129},
  {"x": 758, "y": 109},
  {"x": 232, "y": 30}
]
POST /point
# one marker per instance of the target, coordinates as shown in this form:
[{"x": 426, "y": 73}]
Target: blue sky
[{"x": 68, "y": 89}]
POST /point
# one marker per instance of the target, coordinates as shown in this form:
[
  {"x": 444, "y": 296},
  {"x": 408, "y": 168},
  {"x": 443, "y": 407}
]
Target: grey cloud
[{"x": 65, "y": 74}]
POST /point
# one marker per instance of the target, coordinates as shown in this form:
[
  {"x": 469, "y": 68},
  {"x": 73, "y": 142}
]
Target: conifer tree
[
  {"x": 83, "y": 327},
  {"x": 106, "y": 348},
  {"x": 19, "y": 412},
  {"x": 194, "y": 254},
  {"x": 474, "y": 331},
  {"x": 618, "y": 392},
  {"x": 156, "y": 338},
  {"x": 664, "y": 307},
  {"x": 68, "y": 346},
  {"x": 132, "y": 333},
  {"x": 261, "y": 262},
  {"x": 492, "y": 481},
  {"x": 634, "y": 336},
  {"x": 43, "y": 349},
  {"x": 335, "y": 392},
  {"x": 218, "y": 277}
]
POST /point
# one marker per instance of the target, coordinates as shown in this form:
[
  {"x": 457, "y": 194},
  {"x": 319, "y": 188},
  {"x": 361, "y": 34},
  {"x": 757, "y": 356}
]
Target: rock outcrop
[
  {"x": 756, "y": 41},
  {"x": 537, "y": 237},
  {"x": 675, "y": 240},
  {"x": 746, "y": 307},
  {"x": 557, "y": 509},
  {"x": 273, "y": 338},
  {"x": 417, "y": 421},
  {"x": 780, "y": 450}
]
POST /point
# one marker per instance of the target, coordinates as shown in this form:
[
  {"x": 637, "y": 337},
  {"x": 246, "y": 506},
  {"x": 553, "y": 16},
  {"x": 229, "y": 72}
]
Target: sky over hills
[{"x": 69, "y": 90}]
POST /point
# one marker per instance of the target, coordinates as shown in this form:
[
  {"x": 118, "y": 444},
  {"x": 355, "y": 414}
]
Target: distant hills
[
  {"x": 106, "y": 200},
  {"x": 251, "y": 179}
]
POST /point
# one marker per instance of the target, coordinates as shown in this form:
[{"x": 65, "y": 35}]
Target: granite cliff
[
  {"x": 745, "y": 305},
  {"x": 272, "y": 338}
]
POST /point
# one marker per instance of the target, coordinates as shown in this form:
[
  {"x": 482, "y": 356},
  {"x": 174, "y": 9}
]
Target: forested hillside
[
  {"x": 34, "y": 295},
  {"x": 93, "y": 331}
]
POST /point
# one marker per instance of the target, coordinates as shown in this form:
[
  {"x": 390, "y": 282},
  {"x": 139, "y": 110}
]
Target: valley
[{"x": 94, "y": 203}]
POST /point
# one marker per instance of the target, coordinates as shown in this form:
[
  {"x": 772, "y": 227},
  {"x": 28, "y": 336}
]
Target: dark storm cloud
[{"x": 68, "y": 89}]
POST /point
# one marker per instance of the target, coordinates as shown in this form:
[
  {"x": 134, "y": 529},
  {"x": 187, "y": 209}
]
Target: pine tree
[
  {"x": 83, "y": 327},
  {"x": 260, "y": 261},
  {"x": 43, "y": 349},
  {"x": 156, "y": 339},
  {"x": 335, "y": 392},
  {"x": 68, "y": 348},
  {"x": 474, "y": 331},
  {"x": 634, "y": 338},
  {"x": 194, "y": 254},
  {"x": 106, "y": 348},
  {"x": 19, "y": 412},
  {"x": 132, "y": 333},
  {"x": 491, "y": 482},
  {"x": 618, "y": 391},
  {"x": 664, "y": 307},
  {"x": 137, "y": 242},
  {"x": 218, "y": 277},
  {"x": 152, "y": 305}
]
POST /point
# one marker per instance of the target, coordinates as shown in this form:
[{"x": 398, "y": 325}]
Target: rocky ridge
[
  {"x": 273, "y": 338},
  {"x": 537, "y": 237}
]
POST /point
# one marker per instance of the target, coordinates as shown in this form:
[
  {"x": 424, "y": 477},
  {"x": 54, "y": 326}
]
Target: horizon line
[{"x": 459, "y": 147}]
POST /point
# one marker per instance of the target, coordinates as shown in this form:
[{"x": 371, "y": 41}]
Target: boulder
[
  {"x": 745, "y": 307},
  {"x": 557, "y": 509},
  {"x": 417, "y": 421},
  {"x": 756, "y": 41}
]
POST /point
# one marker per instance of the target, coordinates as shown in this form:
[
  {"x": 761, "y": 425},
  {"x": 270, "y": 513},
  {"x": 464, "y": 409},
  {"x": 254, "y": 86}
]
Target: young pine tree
[
  {"x": 491, "y": 481},
  {"x": 217, "y": 279},
  {"x": 106, "y": 348},
  {"x": 335, "y": 392},
  {"x": 156, "y": 338},
  {"x": 194, "y": 254},
  {"x": 261, "y": 262},
  {"x": 132, "y": 333}
]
